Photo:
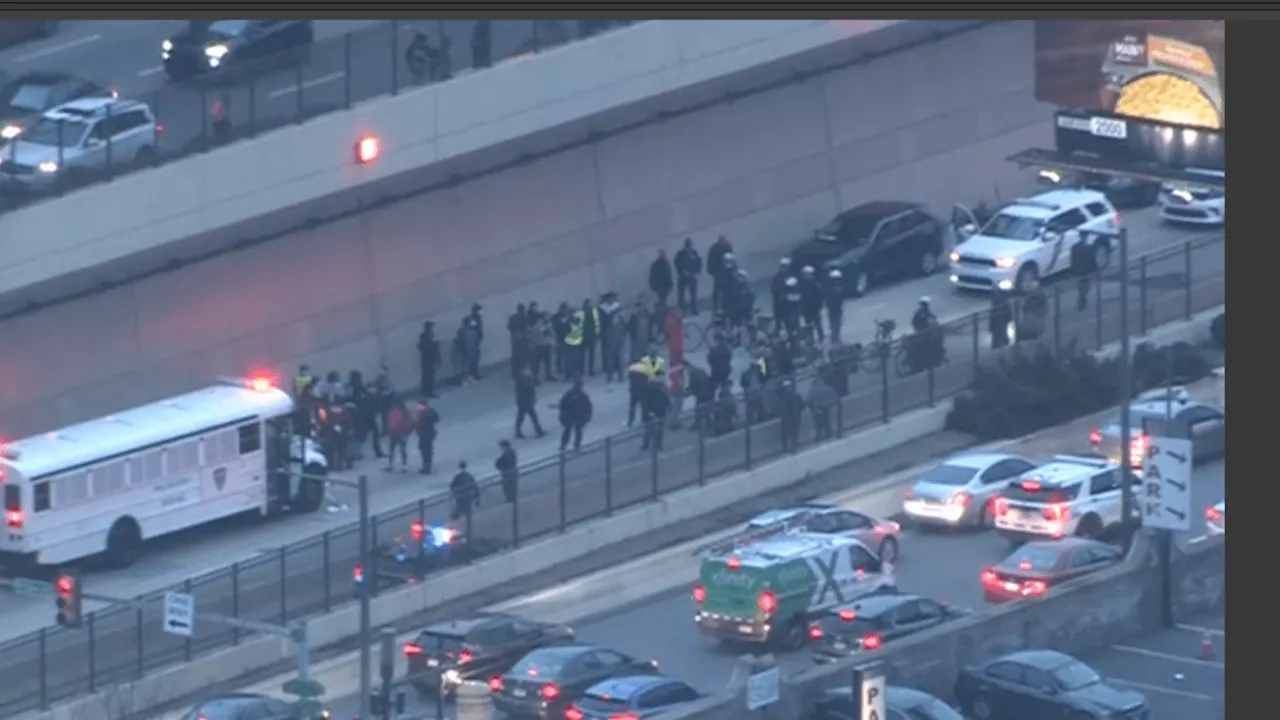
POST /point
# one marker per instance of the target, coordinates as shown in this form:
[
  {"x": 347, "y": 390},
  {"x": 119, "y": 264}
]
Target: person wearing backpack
[{"x": 399, "y": 428}]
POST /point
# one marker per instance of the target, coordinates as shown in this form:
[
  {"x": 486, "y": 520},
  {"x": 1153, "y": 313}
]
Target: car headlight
[
  {"x": 10, "y": 132},
  {"x": 452, "y": 677},
  {"x": 48, "y": 166},
  {"x": 167, "y": 46},
  {"x": 1005, "y": 263},
  {"x": 955, "y": 256},
  {"x": 216, "y": 52}
]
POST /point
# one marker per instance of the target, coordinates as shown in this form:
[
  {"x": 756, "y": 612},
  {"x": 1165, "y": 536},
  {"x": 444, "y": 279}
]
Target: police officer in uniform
[
  {"x": 833, "y": 297},
  {"x": 688, "y": 264},
  {"x": 778, "y": 290},
  {"x": 788, "y": 311},
  {"x": 811, "y": 300},
  {"x": 574, "y": 341},
  {"x": 637, "y": 385},
  {"x": 302, "y": 381},
  {"x": 590, "y": 336}
]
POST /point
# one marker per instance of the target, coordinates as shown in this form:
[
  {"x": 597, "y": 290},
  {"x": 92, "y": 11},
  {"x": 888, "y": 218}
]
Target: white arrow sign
[
  {"x": 179, "y": 613},
  {"x": 1166, "y": 484}
]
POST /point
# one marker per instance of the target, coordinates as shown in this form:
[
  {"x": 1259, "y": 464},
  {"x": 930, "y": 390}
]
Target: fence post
[
  {"x": 608, "y": 476},
  {"x": 372, "y": 570},
  {"x": 253, "y": 104},
  {"x": 746, "y": 431},
  {"x": 395, "y": 57},
  {"x": 139, "y": 635},
  {"x": 840, "y": 415},
  {"x": 186, "y": 643},
  {"x": 298, "y": 102},
  {"x": 886, "y": 358},
  {"x": 702, "y": 448},
  {"x": 1186, "y": 274},
  {"x": 1057, "y": 319},
  {"x": 346, "y": 70},
  {"x": 93, "y": 651},
  {"x": 284, "y": 586},
  {"x": 654, "y": 452},
  {"x": 564, "y": 491},
  {"x": 44, "y": 669},
  {"x": 1097, "y": 311},
  {"x": 325, "y": 552},
  {"x": 235, "y": 589},
  {"x": 977, "y": 343},
  {"x": 1142, "y": 295},
  {"x": 931, "y": 386}
]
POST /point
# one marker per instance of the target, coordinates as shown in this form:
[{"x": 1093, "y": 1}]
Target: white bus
[{"x": 107, "y": 485}]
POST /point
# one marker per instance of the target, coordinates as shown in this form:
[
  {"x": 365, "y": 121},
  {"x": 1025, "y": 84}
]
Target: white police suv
[
  {"x": 1068, "y": 495},
  {"x": 1032, "y": 238},
  {"x": 1193, "y": 205}
]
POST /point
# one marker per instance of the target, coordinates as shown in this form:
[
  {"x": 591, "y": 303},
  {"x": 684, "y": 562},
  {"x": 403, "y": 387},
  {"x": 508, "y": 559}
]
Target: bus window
[
  {"x": 250, "y": 438},
  {"x": 41, "y": 492},
  {"x": 155, "y": 465}
]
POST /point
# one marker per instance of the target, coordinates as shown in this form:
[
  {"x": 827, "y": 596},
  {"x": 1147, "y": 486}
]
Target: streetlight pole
[{"x": 1126, "y": 389}]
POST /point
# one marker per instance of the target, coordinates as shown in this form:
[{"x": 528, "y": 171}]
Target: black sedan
[
  {"x": 1043, "y": 684},
  {"x": 448, "y": 653},
  {"x": 221, "y": 46},
  {"x": 900, "y": 703},
  {"x": 249, "y": 706},
  {"x": 875, "y": 242},
  {"x": 547, "y": 681},
  {"x": 23, "y": 99},
  {"x": 872, "y": 621},
  {"x": 1035, "y": 567}
]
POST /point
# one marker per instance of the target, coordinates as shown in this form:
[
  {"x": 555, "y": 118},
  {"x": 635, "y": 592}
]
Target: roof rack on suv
[
  {"x": 1033, "y": 202},
  {"x": 1082, "y": 460}
]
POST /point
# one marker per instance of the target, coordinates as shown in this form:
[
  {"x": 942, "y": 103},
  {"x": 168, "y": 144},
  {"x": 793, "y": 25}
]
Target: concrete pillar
[{"x": 473, "y": 701}]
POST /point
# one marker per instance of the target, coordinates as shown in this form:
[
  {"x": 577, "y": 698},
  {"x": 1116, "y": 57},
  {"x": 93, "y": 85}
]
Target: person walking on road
[
  {"x": 575, "y": 413},
  {"x": 688, "y": 264},
  {"x": 465, "y": 493},
  {"x": 527, "y": 403},
  {"x": 661, "y": 281},
  {"x": 399, "y": 428},
  {"x": 657, "y": 404},
  {"x": 1084, "y": 264},
  {"x": 428, "y": 418},
  {"x": 508, "y": 468}
]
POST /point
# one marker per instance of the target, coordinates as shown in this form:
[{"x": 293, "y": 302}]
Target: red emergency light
[{"x": 368, "y": 149}]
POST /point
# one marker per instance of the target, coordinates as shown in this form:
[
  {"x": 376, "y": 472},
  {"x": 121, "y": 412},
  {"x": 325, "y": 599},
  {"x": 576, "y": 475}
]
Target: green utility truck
[{"x": 768, "y": 591}]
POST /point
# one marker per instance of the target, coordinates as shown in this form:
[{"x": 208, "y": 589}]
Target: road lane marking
[
  {"x": 1202, "y": 630},
  {"x": 308, "y": 84},
  {"x": 1161, "y": 689},
  {"x": 151, "y": 71},
  {"x": 1168, "y": 656},
  {"x": 55, "y": 49}
]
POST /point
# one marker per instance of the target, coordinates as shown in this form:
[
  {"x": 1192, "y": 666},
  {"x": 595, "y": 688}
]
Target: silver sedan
[
  {"x": 880, "y": 534},
  {"x": 958, "y": 492},
  {"x": 1205, "y": 424}
]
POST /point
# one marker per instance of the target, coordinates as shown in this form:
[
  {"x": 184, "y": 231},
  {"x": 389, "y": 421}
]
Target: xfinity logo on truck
[
  {"x": 1129, "y": 51},
  {"x": 735, "y": 579}
]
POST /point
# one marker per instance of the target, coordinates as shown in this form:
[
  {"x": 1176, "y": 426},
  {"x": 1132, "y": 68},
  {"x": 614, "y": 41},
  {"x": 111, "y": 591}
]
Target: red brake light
[
  {"x": 13, "y": 518},
  {"x": 416, "y": 530},
  {"x": 1095, "y": 438},
  {"x": 908, "y": 493},
  {"x": 1035, "y": 587},
  {"x": 961, "y": 499},
  {"x": 1031, "y": 486},
  {"x": 847, "y": 614},
  {"x": 1212, "y": 514},
  {"x": 1024, "y": 565},
  {"x": 999, "y": 505},
  {"x": 65, "y": 585},
  {"x": 989, "y": 577},
  {"x": 495, "y": 683},
  {"x": 464, "y": 657},
  {"x": 815, "y": 632},
  {"x": 573, "y": 713},
  {"x": 1057, "y": 511},
  {"x": 768, "y": 602},
  {"x": 699, "y": 594},
  {"x": 734, "y": 563},
  {"x": 368, "y": 149},
  {"x": 412, "y": 649},
  {"x": 871, "y": 642},
  {"x": 550, "y": 692},
  {"x": 357, "y": 574},
  {"x": 1137, "y": 450},
  {"x": 625, "y": 716}
]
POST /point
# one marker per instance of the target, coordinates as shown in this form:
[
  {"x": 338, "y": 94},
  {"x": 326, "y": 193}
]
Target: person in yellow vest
[
  {"x": 653, "y": 364},
  {"x": 575, "y": 345},
  {"x": 638, "y": 377},
  {"x": 302, "y": 381}
]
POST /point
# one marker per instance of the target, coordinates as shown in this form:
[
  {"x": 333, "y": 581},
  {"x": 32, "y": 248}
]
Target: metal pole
[
  {"x": 1186, "y": 276},
  {"x": 366, "y": 633},
  {"x": 1126, "y": 386},
  {"x": 608, "y": 475}
]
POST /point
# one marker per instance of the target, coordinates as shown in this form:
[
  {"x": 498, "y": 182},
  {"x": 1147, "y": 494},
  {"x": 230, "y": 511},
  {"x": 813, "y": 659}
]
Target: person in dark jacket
[
  {"x": 657, "y": 403},
  {"x": 811, "y": 300},
  {"x": 575, "y": 413},
  {"x": 790, "y": 411},
  {"x": 612, "y": 335},
  {"x": 778, "y": 288},
  {"x": 822, "y": 405},
  {"x": 428, "y": 419},
  {"x": 590, "y": 337},
  {"x": 703, "y": 392},
  {"x": 473, "y": 338},
  {"x": 399, "y": 428},
  {"x": 560, "y": 330},
  {"x": 428, "y": 358},
  {"x": 518, "y": 329},
  {"x": 1000, "y": 318},
  {"x": 527, "y": 402},
  {"x": 833, "y": 297},
  {"x": 508, "y": 467},
  {"x": 637, "y": 385},
  {"x": 718, "y": 269},
  {"x": 725, "y": 413},
  {"x": 1084, "y": 264},
  {"x": 465, "y": 493},
  {"x": 688, "y": 264},
  {"x": 661, "y": 281},
  {"x": 720, "y": 362}
]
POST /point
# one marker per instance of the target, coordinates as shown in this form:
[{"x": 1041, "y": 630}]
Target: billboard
[{"x": 1171, "y": 72}]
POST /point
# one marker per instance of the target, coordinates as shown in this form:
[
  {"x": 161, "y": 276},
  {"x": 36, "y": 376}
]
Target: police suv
[{"x": 1069, "y": 495}]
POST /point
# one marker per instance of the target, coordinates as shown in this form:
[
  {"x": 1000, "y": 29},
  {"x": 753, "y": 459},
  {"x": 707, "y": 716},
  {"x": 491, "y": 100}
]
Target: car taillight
[
  {"x": 871, "y": 642},
  {"x": 357, "y": 574},
  {"x": 550, "y": 692},
  {"x": 999, "y": 505},
  {"x": 768, "y": 602},
  {"x": 412, "y": 649},
  {"x": 13, "y": 518},
  {"x": 1137, "y": 450},
  {"x": 989, "y": 577},
  {"x": 1212, "y": 514},
  {"x": 1034, "y": 587},
  {"x": 464, "y": 657},
  {"x": 1095, "y": 438},
  {"x": 734, "y": 563},
  {"x": 908, "y": 494},
  {"x": 625, "y": 716},
  {"x": 573, "y": 713},
  {"x": 1056, "y": 512},
  {"x": 1024, "y": 565},
  {"x": 495, "y": 683},
  {"x": 1031, "y": 486},
  {"x": 416, "y": 530},
  {"x": 815, "y": 632},
  {"x": 847, "y": 614},
  {"x": 960, "y": 499},
  {"x": 699, "y": 594}
]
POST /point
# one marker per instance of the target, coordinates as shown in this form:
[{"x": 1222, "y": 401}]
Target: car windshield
[
  {"x": 30, "y": 97},
  {"x": 1034, "y": 558},
  {"x": 1013, "y": 227},
  {"x": 855, "y": 226},
  {"x": 952, "y": 475},
  {"x": 229, "y": 28},
  {"x": 542, "y": 664},
  {"x": 1076, "y": 675},
  {"x": 54, "y": 133}
]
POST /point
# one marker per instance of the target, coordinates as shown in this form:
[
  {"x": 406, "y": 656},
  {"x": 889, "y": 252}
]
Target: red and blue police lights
[{"x": 67, "y": 587}]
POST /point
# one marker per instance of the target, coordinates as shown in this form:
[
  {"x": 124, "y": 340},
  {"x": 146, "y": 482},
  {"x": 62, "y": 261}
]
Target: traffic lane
[
  {"x": 111, "y": 52},
  {"x": 1167, "y": 667},
  {"x": 295, "y": 583}
]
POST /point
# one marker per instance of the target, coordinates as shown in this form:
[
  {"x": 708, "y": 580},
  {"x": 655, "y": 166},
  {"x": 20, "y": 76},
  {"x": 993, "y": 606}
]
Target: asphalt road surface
[
  {"x": 300, "y": 580},
  {"x": 350, "y": 61}
]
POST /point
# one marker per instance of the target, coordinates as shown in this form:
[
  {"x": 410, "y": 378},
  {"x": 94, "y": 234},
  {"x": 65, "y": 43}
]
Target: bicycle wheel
[
  {"x": 695, "y": 338},
  {"x": 871, "y": 360},
  {"x": 902, "y": 362}
]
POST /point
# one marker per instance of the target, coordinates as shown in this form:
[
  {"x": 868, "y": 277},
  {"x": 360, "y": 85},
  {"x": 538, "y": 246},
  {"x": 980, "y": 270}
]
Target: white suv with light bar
[
  {"x": 1031, "y": 239},
  {"x": 1069, "y": 495},
  {"x": 1193, "y": 205}
]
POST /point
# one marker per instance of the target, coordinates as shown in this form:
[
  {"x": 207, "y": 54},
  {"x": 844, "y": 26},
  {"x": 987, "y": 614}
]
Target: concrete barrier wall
[
  {"x": 933, "y": 124},
  {"x": 1086, "y": 615}
]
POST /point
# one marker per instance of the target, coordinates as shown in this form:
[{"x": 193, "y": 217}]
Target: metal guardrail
[
  {"x": 282, "y": 90},
  {"x": 117, "y": 645}
]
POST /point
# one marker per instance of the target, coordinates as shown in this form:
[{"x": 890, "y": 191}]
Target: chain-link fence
[
  {"x": 247, "y": 98},
  {"x": 697, "y": 446}
]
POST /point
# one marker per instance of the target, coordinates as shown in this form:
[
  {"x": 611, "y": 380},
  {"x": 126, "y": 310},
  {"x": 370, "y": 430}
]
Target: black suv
[
  {"x": 1043, "y": 684},
  {"x": 477, "y": 648},
  {"x": 876, "y": 242},
  {"x": 227, "y": 46},
  {"x": 873, "y": 621}
]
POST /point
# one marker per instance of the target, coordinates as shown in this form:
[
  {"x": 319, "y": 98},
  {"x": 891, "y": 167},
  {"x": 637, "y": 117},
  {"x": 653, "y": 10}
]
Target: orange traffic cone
[{"x": 1206, "y": 646}]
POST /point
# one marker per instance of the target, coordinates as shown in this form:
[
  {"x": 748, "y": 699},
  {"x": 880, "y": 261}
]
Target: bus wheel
[
  {"x": 124, "y": 543},
  {"x": 310, "y": 491}
]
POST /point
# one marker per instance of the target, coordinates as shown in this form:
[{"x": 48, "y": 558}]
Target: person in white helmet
[
  {"x": 719, "y": 264},
  {"x": 788, "y": 312},
  {"x": 778, "y": 290},
  {"x": 833, "y": 297},
  {"x": 811, "y": 301},
  {"x": 927, "y": 343}
]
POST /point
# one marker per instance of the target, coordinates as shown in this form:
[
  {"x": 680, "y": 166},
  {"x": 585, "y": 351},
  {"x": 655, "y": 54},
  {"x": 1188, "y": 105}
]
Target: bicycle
[{"x": 874, "y": 354}]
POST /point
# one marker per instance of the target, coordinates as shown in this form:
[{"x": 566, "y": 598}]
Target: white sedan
[{"x": 958, "y": 492}]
